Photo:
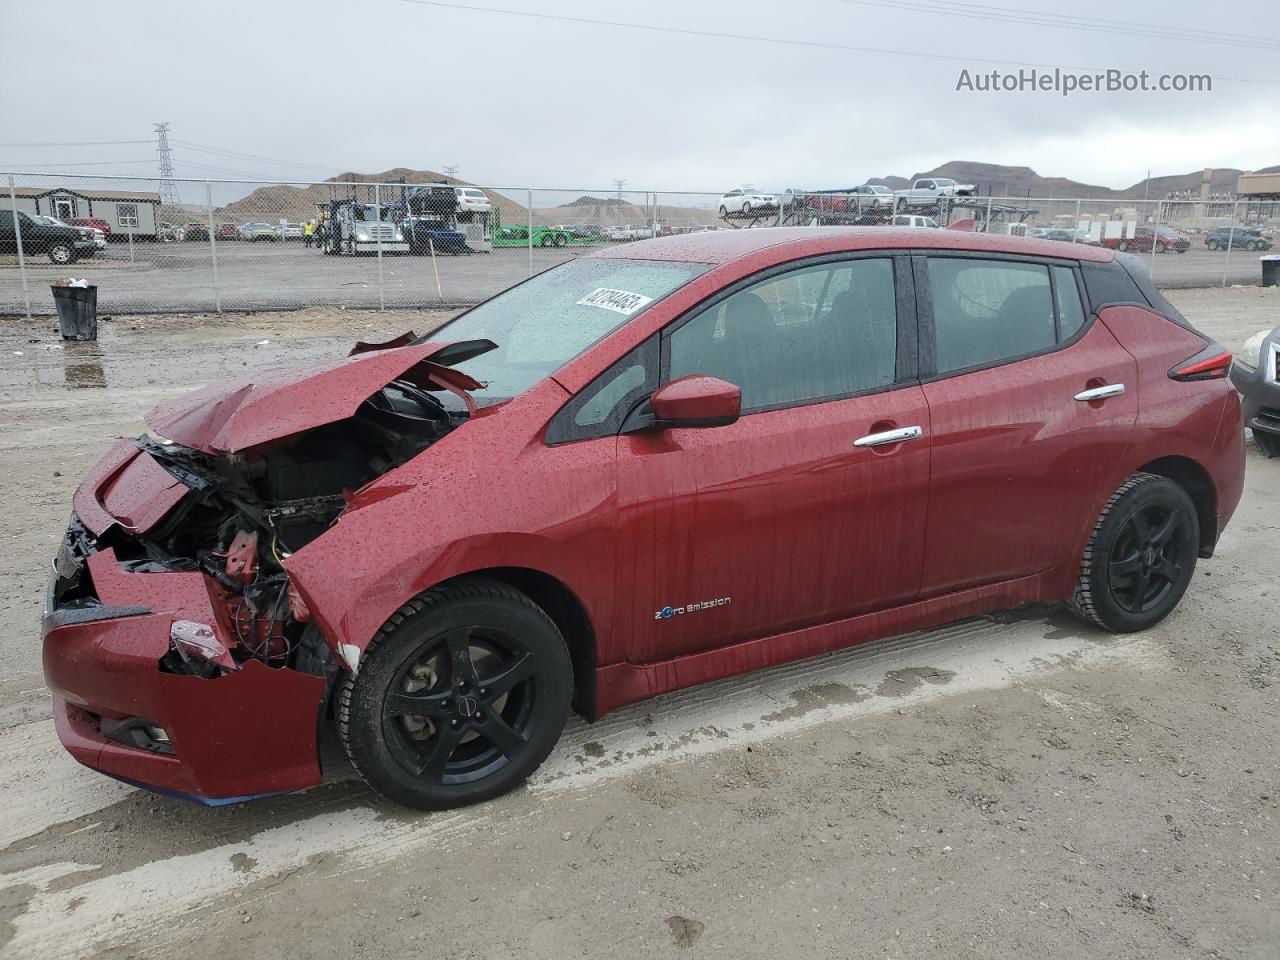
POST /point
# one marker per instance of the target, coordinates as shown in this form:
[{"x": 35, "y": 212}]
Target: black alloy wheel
[
  {"x": 458, "y": 698},
  {"x": 1146, "y": 561}
]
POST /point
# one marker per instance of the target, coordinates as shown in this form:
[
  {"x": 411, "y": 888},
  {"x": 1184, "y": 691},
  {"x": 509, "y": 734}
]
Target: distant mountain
[{"x": 998, "y": 180}]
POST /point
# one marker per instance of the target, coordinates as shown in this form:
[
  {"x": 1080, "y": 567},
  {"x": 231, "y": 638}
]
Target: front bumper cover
[{"x": 248, "y": 733}]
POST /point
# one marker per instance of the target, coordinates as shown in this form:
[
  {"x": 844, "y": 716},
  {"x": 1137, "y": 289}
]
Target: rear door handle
[
  {"x": 889, "y": 436},
  {"x": 1101, "y": 393}
]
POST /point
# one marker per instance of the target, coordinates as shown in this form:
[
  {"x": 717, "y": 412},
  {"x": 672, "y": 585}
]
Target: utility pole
[
  {"x": 168, "y": 189},
  {"x": 451, "y": 170}
]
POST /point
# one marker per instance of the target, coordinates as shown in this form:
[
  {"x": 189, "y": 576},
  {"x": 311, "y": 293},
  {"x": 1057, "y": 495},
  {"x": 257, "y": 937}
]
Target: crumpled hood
[{"x": 280, "y": 402}]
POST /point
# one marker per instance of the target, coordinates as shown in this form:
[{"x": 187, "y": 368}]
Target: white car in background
[
  {"x": 99, "y": 238},
  {"x": 746, "y": 201},
  {"x": 471, "y": 200},
  {"x": 913, "y": 220}
]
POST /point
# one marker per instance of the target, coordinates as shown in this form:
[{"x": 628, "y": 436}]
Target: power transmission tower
[
  {"x": 168, "y": 189},
  {"x": 619, "y": 184},
  {"x": 451, "y": 170}
]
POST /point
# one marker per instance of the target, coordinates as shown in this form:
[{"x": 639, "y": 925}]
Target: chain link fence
[{"x": 222, "y": 245}]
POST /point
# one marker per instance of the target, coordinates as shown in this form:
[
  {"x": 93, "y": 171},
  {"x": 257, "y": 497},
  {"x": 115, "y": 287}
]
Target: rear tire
[
  {"x": 1123, "y": 246},
  {"x": 1140, "y": 557},
  {"x": 459, "y": 697}
]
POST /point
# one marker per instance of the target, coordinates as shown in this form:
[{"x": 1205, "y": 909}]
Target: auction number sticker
[{"x": 619, "y": 301}]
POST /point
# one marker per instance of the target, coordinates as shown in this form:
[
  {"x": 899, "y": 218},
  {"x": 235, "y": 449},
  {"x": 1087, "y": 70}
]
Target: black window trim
[
  {"x": 562, "y": 428},
  {"x": 905, "y": 360},
  {"x": 924, "y": 305}
]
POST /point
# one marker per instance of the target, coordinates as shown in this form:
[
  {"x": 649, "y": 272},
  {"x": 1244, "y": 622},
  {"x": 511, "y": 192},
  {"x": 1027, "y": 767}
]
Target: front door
[
  {"x": 1019, "y": 463},
  {"x": 64, "y": 207},
  {"x": 789, "y": 517}
]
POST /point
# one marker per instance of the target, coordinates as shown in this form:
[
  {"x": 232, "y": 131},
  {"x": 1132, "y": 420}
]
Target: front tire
[
  {"x": 1140, "y": 557},
  {"x": 459, "y": 697},
  {"x": 1161, "y": 248}
]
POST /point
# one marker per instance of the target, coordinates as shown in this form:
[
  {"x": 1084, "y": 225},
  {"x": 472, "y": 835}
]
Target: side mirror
[{"x": 696, "y": 401}]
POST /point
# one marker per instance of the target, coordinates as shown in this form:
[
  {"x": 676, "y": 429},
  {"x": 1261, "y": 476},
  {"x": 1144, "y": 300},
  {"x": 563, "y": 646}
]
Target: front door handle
[
  {"x": 1101, "y": 393},
  {"x": 889, "y": 436}
]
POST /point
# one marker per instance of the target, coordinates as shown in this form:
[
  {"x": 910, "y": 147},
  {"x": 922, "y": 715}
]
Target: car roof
[{"x": 724, "y": 246}]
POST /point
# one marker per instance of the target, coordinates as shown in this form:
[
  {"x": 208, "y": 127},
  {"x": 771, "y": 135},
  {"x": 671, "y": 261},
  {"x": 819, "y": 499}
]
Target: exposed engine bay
[{"x": 246, "y": 512}]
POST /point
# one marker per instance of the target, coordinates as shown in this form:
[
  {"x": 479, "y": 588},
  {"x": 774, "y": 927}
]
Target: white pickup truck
[{"x": 927, "y": 191}]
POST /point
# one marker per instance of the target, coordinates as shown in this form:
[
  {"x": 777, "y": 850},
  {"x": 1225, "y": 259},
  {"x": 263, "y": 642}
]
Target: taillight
[{"x": 1211, "y": 363}]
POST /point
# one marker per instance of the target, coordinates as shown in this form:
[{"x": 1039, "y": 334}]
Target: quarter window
[
  {"x": 988, "y": 311},
  {"x": 1070, "y": 310},
  {"x": 817, "y": 333}
]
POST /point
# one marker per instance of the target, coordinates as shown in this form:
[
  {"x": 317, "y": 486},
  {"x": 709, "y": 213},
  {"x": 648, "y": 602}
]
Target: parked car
[
  {"x": 169, "y": 232},
  {"x": 93, "y": 223},
  {"x": 99, "y": 238},
  {"x": 1236, "y": 238},
  {"x": 914, "y": 220},
  {"x": 1164, "y": 238},
  {"x": 60, "y": 242},
  {"x": 627, "y": 232},
  {"x": 429, "y": 235},
  {"x": 928, "y": 191},
  {"x": 745, "y": 201},
  {"x": 444, "y": 542},
  {"x": 865, "y": 199},
  {"x": 1065, "y": 235},
  {"x": 227, "y": 231},
  {"x": 257, "y": 230},
  {"x": 471, "y": 201},
  {"x": 1255, "y": 372},
  {"x": 289, "y": 231},
  {"x": 196, "y": 231}
]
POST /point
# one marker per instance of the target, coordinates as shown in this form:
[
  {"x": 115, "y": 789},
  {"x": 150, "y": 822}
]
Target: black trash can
[
  {"x": 77, "y": 312},
  {"x": 1270, "y": 270}
]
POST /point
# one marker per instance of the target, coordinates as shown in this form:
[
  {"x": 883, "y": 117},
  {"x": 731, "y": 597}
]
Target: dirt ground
[{"x": 1011, "y": 787}]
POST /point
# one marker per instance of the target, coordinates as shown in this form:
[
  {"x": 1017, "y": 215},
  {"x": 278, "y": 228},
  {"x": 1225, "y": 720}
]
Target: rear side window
[
  {"x": 989, "y": 311},
  {"x": 1070, "y": 309}
]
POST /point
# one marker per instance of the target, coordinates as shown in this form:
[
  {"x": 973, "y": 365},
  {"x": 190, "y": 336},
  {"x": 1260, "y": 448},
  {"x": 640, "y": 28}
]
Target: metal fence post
[
  {"x": 986, "y": 226},
  {"x": 213, "y": 246},
  {"x": 22, "y": 260},
  {"x": 529, "y": 208},
  {"x": 1231, "y": 235},
  {"x": 377, "y": 223},
  {"x": 1075, "y": 227},
  {"x": 1155, "y": 238}
]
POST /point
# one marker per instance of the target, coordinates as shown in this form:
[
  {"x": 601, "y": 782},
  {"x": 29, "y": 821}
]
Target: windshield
[
  {"x": 370, "y": 212},
  {"x": 543, "y": 323}
]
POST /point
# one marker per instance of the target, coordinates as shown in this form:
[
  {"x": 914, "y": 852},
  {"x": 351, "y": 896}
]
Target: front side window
[
  {"x": 816, "y": 333},
  {"x": 987, "y": 311},
  {"x": 543, "y": 323}
]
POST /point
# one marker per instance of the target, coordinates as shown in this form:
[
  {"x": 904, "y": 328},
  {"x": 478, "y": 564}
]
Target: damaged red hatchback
[{"x": 640, "y": 470}]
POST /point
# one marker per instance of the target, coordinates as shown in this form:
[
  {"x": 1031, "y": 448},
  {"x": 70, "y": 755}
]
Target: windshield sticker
[{"x": 619, "y": 301}]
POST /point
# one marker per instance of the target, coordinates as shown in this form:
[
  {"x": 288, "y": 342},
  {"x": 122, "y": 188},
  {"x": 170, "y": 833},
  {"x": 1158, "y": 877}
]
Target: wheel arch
[
  {"x": 1197, "y": 481},
  {"x": 566, "y": 611}
]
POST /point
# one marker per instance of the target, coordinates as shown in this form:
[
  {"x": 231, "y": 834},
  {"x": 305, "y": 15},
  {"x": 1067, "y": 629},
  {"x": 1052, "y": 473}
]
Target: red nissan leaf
[{"x": 643, "y": 469}]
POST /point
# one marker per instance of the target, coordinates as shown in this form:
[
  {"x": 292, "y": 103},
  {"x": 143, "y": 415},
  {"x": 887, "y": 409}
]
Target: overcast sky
[{"x": 319, "y": 87}]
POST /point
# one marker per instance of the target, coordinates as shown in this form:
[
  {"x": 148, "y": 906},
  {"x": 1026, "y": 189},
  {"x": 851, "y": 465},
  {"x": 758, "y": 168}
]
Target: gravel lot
[
  {"x": 277, "y": 276},
  {"x": 1011, "y": 787}
]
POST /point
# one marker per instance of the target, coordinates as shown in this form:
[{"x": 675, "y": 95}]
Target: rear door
[
  {"x": 1031, "y": 405},
  {"x": 782, "y": 519}
]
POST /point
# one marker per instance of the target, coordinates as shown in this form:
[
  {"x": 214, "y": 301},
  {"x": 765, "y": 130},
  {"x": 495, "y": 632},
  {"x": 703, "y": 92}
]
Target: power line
[
  {"x": 81, "y": 143},
  {"x": 90, "y": 163},
  {"x": 981, "y": 11},
  {"x": 237, "y": 155},
  {"x": 812, "y": 44}
]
